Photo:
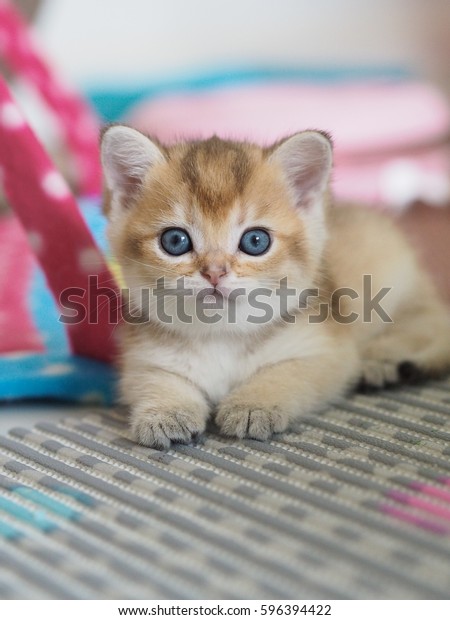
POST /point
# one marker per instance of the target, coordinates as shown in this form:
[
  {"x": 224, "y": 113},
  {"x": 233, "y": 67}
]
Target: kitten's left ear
[{"x": 306, "y": 160}]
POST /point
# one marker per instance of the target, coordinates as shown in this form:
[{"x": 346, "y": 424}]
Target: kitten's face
[{"x": 221, "y": 219}]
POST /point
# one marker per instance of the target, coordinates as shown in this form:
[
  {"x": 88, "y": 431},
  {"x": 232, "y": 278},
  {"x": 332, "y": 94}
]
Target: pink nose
[{"x": 213, "y": 274}]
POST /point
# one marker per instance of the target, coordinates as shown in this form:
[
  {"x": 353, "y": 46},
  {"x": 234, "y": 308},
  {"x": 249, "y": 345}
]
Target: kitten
[{"x": 234, "y": 221}]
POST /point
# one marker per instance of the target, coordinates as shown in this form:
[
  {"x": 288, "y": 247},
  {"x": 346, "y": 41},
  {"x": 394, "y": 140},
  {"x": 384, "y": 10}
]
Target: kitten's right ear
[
  {"x": 127, "y": 156},
  {"x": 306, "y": 160}
]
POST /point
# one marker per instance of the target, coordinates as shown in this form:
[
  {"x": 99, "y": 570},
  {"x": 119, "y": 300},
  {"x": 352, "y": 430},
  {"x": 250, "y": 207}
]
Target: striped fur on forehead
[{"x": 217, "y": 171}]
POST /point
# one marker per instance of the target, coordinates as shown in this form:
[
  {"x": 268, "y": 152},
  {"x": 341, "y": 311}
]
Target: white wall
[{"x": 112, "y": 40}]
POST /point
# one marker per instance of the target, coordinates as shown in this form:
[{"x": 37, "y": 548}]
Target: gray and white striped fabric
[{"x": 354, "y": 502}]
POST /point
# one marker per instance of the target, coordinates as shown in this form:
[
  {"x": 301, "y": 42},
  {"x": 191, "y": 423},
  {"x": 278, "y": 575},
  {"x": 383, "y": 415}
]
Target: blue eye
[
  {"x": 176, "y": 241},
  {"x": 255, "y": 242}
]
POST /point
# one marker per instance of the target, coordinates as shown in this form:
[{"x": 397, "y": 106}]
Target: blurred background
[{"x": 108, "y": 41}]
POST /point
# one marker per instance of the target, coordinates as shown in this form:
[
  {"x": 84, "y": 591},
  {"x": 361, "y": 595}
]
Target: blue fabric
[{"x": 62, "y": 377}]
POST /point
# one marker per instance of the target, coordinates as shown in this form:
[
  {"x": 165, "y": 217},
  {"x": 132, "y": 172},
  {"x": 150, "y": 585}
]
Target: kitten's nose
[{"x": 214, "y": 273}]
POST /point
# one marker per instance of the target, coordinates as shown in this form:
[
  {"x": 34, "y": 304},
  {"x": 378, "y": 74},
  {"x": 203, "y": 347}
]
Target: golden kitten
[{"x": 258, "y": 302}]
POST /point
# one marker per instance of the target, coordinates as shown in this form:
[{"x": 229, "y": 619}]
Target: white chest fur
[{"x": 218, "y": 364}]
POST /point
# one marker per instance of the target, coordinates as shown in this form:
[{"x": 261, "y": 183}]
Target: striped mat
[{"x": 354, "y": 502}]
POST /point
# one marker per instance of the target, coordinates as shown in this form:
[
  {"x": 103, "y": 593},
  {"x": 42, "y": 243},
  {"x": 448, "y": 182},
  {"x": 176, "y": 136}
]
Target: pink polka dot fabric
[
  {"x": 76, "y": 120},
  {"x": 17, "y": 330},
  {"x": 56, "y": 230}
]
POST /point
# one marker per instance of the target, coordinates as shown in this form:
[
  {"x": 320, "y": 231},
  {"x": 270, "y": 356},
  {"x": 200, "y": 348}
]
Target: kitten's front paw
[
  {"x": 158, "y": 428},
  {"x": 250, "y": 420},
  {"x": 378, "y": 374}
]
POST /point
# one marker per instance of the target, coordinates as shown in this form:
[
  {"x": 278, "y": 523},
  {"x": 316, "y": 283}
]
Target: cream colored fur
[{"x": 255, "y": 379}]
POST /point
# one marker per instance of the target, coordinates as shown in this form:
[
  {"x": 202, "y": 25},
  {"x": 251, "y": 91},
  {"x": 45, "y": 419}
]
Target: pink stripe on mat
[
  {"x": 422, "y": 504},
  {"x": 433, "y": 491},
  {"x": 414, "y": 520}
]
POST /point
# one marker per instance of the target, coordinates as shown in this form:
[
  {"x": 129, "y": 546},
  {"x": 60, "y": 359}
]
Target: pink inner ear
[
  {"x": 129, "y": 183},
  {"x": 306, "y": 161},
  {"x": 306, "y": 179}
]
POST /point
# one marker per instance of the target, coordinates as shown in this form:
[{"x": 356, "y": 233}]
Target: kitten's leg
[
  {"x": 277, "y": 394},
  {"x": 415, "y": 346},
  {"x": 164, "y": 407}
]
